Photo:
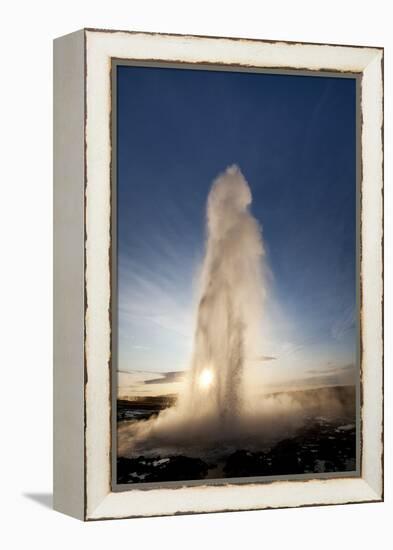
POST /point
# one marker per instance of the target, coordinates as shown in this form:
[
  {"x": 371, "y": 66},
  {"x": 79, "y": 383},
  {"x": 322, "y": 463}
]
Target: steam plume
[
  {"x": 228, "y": 325},
  {"x": 230, "y": 303}
]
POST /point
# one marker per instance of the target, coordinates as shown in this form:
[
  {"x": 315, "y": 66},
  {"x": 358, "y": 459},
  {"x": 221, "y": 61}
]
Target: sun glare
[{"x": 206, "y": 379}]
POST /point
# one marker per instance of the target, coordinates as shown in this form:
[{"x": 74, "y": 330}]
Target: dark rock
[
  {"x": 147, "y": 470},
  {"x": 245, "y": 463}
]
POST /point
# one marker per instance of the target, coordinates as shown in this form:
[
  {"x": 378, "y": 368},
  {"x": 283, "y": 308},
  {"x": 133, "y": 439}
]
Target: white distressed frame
[{"x": 100, "y": 47}]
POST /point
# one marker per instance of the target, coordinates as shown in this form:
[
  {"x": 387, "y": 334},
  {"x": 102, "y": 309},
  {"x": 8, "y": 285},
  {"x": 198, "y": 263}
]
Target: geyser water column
[
  {"x": 212, "y": 407},
  {"x": 228, "y": 319}
]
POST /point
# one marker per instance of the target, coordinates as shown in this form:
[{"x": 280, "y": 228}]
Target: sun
[{"x": 205, "y": 379}]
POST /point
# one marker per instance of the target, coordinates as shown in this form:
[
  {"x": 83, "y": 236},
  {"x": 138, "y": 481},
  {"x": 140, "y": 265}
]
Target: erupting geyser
[
  {"x": 214, "y": 405},
  {"x": 229, "y": 310}
]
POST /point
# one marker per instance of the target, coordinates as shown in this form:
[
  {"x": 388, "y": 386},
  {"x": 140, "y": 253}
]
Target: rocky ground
[{"x": 321, "y": 445}]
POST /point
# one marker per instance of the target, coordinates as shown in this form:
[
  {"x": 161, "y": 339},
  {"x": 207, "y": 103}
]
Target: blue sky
[{"x": 294, "y": 138}]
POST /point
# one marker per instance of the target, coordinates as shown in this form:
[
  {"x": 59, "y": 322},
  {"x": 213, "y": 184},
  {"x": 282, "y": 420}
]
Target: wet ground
[{"x": 321, "y": 445}]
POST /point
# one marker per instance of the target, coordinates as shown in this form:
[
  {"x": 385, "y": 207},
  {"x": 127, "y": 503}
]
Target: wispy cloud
[
  {"x": 344, "y": 323},
  {"x": 332, "y": 369},
  {"x": 262, "y": 358},
  {"x": 167, "y": 377},
  {"x": 332, "y": 375},
  {"x": 161, "y": 299}
]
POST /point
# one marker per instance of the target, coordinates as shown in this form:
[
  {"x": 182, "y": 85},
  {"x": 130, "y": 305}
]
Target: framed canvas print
[{"x": 218, "y": 331}]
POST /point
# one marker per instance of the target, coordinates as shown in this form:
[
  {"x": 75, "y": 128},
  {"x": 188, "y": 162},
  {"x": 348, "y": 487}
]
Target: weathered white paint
[{"x": 68, "y": 275}]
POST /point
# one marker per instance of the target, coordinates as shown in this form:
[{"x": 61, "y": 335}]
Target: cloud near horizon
[{"x": 167, "y": 377}]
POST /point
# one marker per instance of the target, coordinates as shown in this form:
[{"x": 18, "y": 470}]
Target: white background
[{"x": 26, "y": 273}]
